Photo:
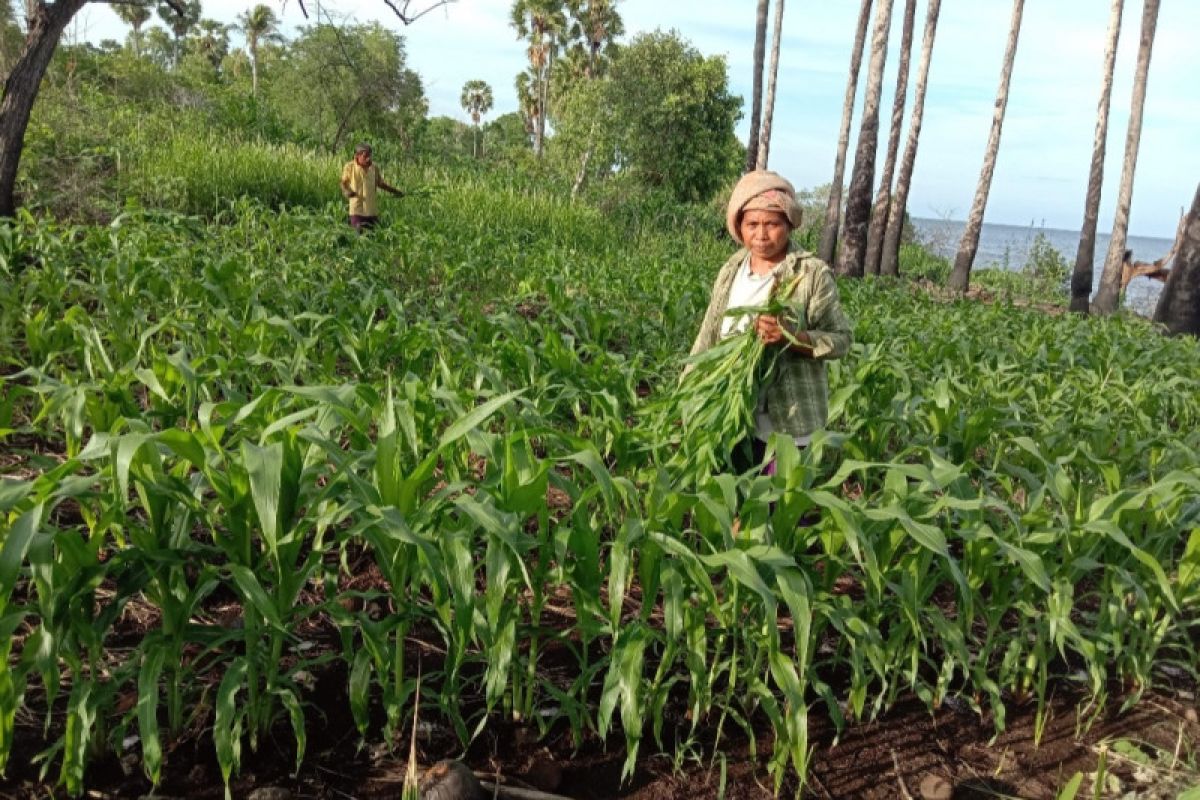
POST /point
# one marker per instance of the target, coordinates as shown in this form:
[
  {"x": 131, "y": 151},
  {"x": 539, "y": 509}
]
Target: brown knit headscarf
[{"x": 763, "y": 190}]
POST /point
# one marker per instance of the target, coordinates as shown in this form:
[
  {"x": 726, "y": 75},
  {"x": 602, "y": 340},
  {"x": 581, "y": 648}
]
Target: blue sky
[{"x": 1045, "y": 151}]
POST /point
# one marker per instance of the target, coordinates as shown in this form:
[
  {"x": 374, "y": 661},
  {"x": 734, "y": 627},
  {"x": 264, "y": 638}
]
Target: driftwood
[{"x": 1155, "y": 270}]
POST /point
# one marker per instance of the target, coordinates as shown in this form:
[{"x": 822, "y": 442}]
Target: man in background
[{"x": 361, "y": 182}]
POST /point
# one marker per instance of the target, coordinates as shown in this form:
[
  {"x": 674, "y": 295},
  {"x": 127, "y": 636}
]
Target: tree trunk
[
  {"x": 889, "y": 263},
  {"x": 833, "y": 211},
  {"x": 45, "y": 25},
  {"x": 254, "y": 68},
  {"x": 883, "y": 199},
  {"x": 760, "y": 49},
  {"x": 862, "y": 177},
  {"x": 764, "y": 136},
  {"x": 1179, "y": 304},
  {"x": 1085, "y": 256},
  {"x": 960, "y": 276},
  {"x": 1105, "y": 301}
]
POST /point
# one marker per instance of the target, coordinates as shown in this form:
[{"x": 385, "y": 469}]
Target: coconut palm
[
  {"x": 960, "y": 276},
  {"x": 883, "y": 198},
  {"x": 1105, "y": 301},
  {"x": 476, "y": 100},
  {"x": 1081, "y": 278},
  {"x": 764, "y": 134},
  {"x": 135, "y": 15},
  {"x": 543, "y": 23},
  {"x": 258, "y": 25},
  {"x": 833, "y": 211},
  {"x": 862, "y": 177},
  {"x": 760, "y": 53},
  {"x": 889, "y": 263}
]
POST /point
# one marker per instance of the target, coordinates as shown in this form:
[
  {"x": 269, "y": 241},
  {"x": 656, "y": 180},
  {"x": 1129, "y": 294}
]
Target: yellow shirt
[{"x": 365, "y": 185}]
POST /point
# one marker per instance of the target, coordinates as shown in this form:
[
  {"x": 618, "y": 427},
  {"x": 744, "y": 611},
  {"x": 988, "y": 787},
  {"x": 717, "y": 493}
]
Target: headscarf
[{"x": 761, "y": 190}]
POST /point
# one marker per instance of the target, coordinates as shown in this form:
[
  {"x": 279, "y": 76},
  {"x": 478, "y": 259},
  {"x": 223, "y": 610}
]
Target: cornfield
[{"x": 244, "y": 409}]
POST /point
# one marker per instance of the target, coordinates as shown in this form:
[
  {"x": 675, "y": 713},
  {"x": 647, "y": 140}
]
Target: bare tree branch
[{"x": 407, "y": 17}]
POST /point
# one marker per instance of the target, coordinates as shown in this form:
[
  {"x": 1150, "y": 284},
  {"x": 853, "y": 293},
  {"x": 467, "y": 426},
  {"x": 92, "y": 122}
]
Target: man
[{"x": 361, "y": 181}]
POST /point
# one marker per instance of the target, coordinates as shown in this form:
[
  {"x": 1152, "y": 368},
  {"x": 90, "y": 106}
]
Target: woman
[{"x": 761, "y": 216}]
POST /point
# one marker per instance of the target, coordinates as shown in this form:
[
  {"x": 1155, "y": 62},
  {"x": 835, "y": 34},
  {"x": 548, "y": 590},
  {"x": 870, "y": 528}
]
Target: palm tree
[
  {"x": 259, "y": 24},
  {"x": 960, "y": 276},
  {"x": 542, "y": 22},
  {"x": 764, "y": 135},
  {"x": 135, "y": 15},
  {"x": 212, "y": 41},
  {"x": 476, "y": 100},
  {"x": 1105, "y": 301},
  {"x": 180, "y": 20},
  {"x": 883, "y": 198},
  {"x": 833, "y": 210},
  {"x": 760, "y": 52},
  {"x": 1085, "y": 256},
  {"x": 862, "y": 177},
  {"x": 889, "y": 263},
  {"x": 1179, "y": 304},
  {"x": 596, "y": 24}
]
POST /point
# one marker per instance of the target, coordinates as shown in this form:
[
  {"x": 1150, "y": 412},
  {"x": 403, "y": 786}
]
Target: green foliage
[
  {"x": 664, "y": 115},
  {"x": 339, "y": 83},
  {"x": 235, "y": 405}
]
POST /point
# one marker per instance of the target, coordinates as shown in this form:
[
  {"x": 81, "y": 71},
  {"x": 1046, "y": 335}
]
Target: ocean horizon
[{"x": 1007, "y": 247}]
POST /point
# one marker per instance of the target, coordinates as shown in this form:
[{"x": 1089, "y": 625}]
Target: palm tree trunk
[
  {"x": 862, "y": 177},
  {"x": 1179, "y": 304},
  {"x": 760, "y": 50},
  {"x": 889, "y": 263},
  {"x": 254, "y": 68},
  {"x": 883, "y": 199},
  {"x": 960, "y": 276},
  {"x": 1105, "y": 301},
  {"x": 45, "y": 25},
  {"x": 833, "y": 210},
  {"x": 764, "y": 137},
  {"x": 1085, "y": 256}
]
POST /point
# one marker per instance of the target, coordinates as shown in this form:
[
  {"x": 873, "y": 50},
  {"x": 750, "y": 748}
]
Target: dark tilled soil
[{"x": 905, "y": 753}]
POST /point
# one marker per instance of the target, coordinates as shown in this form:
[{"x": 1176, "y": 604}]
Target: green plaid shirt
[{"x": 797, "y": 398}]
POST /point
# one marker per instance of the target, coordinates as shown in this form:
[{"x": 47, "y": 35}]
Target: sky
[{"x": 1046, "y": 146}]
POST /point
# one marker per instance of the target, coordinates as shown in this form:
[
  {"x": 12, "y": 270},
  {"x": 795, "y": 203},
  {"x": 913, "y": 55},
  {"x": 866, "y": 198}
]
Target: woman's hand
[{"x": 770, "y": 331}]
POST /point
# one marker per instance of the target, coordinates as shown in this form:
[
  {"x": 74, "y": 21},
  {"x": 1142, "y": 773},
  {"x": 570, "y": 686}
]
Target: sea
[{"x": 1007, "y": 246}]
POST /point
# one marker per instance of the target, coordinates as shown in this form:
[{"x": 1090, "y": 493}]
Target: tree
[
  {"x": 135, "y": 15},
  {"x": 211, "y": 42},
  {"x": 764, "y": 135},
  {"x": 180, "y": 17},
  {"x": 890, "y": 259},
  {"x": 336, "y": 82},
  {"x": 476, "y": 100},
  {"x": 1085, "y": 256},
  {"x": 594, "y": 26},
  {"x": 1105, "y": 301},
  {"x": 833, "y": 211},
  {"x": 663, "y": 117},
  {"x": 960, "y": 276},
  {"x": 862, "y": 177},
  {"x": 1179, "y": 304},
  {"x": 258, "y": 25},
  {"x": 542, "y": 22},
  {"x": 760, "y": 52},
  {"x": 883, "y": 198}
]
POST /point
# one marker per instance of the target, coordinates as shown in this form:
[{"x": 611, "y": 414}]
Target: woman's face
[{"x": 765, "y": 233}]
